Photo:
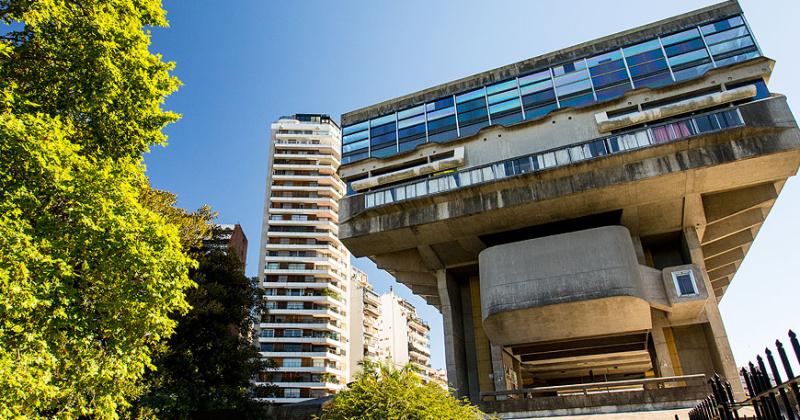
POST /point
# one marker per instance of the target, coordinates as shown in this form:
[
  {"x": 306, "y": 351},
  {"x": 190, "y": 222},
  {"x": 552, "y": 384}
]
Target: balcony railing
[{"x": 617, "y": 143}]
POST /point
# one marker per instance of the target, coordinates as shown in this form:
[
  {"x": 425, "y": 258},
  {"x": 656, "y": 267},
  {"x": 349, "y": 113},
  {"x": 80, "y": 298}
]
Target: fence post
[
  {"x": 771, "y": 398},
  {"x": 778, "y": 381},
  {"x": 787, "y": 367},
  {"x": 751, "y": 391}
]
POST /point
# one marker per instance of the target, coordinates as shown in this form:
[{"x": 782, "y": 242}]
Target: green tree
[
  {"x": 210, "y": 360},
  {"x": 381, "y": 391},
  {"x": 91, "y": 260}
]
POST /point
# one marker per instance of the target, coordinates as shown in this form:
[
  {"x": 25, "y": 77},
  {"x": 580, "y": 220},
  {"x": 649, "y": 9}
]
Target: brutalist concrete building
[{"x": 577, "y": 216}]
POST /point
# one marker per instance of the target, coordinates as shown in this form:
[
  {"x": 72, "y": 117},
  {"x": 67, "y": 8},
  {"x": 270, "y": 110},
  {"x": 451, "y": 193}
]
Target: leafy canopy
[
  {"x": 92, "y": 262},
  {"x": 210, "y": 360},
  {"x": 381, "y": 391}
]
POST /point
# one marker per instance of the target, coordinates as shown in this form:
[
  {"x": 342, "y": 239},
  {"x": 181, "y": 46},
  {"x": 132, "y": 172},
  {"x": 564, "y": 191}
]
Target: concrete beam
[
  {"x": 723, "y": 271},
  {"x": 405, "y": 260},
  {"x": 731, "y": 225},
  {"x": 726, "y": 204},
  {"x": 732, "y": 256},
  {"x": 722, "y": 282},
  {"x": 429, "y": 257},
  {"x": 731, "y": 242}
]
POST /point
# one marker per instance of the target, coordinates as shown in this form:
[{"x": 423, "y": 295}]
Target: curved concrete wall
[{"x": 525, "y": 286}]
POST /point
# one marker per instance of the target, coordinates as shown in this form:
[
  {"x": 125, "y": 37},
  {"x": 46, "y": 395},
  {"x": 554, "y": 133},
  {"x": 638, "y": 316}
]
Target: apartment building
[
  {"x": 304, "y": 268},
  {"x": 404, "y": 336}
]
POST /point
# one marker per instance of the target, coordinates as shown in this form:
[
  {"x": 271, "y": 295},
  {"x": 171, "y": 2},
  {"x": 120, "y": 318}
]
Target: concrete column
[
  {"x": 721, "y": 353},
  {"x": 664, "y": 365},
  {"x": 455, "y": 360},
  {"x": 498, "y": 370}
]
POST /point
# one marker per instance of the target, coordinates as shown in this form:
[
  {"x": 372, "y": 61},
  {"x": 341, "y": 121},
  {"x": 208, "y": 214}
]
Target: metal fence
[{"x": 770, "y": 396}]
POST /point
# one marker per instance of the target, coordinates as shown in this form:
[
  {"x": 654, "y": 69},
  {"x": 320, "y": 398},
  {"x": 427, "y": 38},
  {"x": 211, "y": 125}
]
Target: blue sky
[{"x": 245, "y": 63}]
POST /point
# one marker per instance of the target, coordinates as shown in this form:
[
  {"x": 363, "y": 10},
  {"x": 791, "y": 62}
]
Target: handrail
[{"x": 586, "y": 386}]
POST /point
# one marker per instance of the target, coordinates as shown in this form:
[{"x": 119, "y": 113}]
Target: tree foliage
[
  {"x": 210, "y": 360},
  {"x": 91, "y": 259},
  {"x": 381, "y": 391}
]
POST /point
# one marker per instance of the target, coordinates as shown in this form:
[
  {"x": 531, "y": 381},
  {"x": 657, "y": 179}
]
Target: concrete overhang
[{"x": 559, "y": 287}]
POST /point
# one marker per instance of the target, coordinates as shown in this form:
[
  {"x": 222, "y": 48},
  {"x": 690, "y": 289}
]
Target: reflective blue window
[
  {"x": 464, "y": 97},
  {"x": 577, "y": 100},
  {"x": 680, "y": 37},
  {"x": 613, "y": 91},
  {"x": 356, "y": 127},
  {"x": 355, "y": 146},
  {"x": 501, "y": 87},
  {"x": 382, "y": 120},
  {"x": 722, "y": 25},
  {"x": 683, "y": 47},
  {"x": 534, "y": 112}
]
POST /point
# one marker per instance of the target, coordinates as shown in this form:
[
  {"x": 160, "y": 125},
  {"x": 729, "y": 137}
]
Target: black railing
[{"x": 770, "y": 396}]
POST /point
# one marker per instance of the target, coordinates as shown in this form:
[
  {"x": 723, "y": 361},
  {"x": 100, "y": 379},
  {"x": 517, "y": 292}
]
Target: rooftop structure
[{"x": 578, "y": 216}]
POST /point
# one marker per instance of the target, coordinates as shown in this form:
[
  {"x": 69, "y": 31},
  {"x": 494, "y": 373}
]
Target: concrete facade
[{"x": 582, "y": 266}]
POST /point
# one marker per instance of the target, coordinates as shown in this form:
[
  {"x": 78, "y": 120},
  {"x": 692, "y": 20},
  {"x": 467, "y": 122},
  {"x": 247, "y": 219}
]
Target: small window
[
  {"x": 268, "y": 333},
  {"x": 685, "y": 283},
  {"x": 291, "y": 392}
]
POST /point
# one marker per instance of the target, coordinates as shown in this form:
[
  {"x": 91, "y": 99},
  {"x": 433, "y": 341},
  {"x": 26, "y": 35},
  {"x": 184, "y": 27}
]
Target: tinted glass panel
[
  {"x": 641, "y": 48},
  {"x": 576, "y": 100},
  {"x": 355, "y": 137},
  {"x": 540, "y": 111},
  {"x": 384, "y": 152},
  {"x": 644, "y": 57},
  {"x": 535, "y": 77},
  {"x": 478, "y": 93},
  {"x": 471, "y": 115},
  {"x": 726, "y": 35},
  {"x": 474, "y": 104},
  {"x": 417, "y": 110},
  {"x": 356, "y": 127},
  {"x": 500, "y": 87},
  {"x": 680, "y": 37},
  {"x": 613, "y": 91},
  {"x": 610, "y": 78},
  {"x": 731, "y": 45},
  {"x": 604, "y": 58},
  {"x": 683, "y": 47},
  {"x": 722, "y": 25},
  {"x": 382, "y": 120},
  {"x": 648, "y": 68},
  {"x": 736, "y": 58},
  {"x": 574, "y": 87},
  {"x": 355, "y": 146},
  {"x": 442, "y": 124},
  {"x": 546, "y": 96},
  {"x": 537, "y": 87},
  {"x": 377, "y": 131},
  {"x": 439, "y": 104},
  {"x": 653, "y": 81}
]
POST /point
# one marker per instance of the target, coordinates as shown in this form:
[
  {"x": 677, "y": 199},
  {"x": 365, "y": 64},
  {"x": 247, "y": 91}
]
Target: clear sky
[{"x": 245, "y": 63}]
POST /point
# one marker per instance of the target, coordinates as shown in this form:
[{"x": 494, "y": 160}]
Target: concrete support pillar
[
  {"x": 663, "y": 366},
  {"x": 498, "y": 370},
  {"x": 721, "y": 352},
  {"x": 455, "y": 358}
]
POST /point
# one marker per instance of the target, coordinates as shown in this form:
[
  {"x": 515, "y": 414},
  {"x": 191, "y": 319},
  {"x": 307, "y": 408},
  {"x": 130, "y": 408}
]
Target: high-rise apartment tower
[{"x": 304, "y": 269}]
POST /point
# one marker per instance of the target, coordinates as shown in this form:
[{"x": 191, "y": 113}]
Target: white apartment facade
[
  {"x": 404, "y": 336},
  {"x": 304, "y": 268}
]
